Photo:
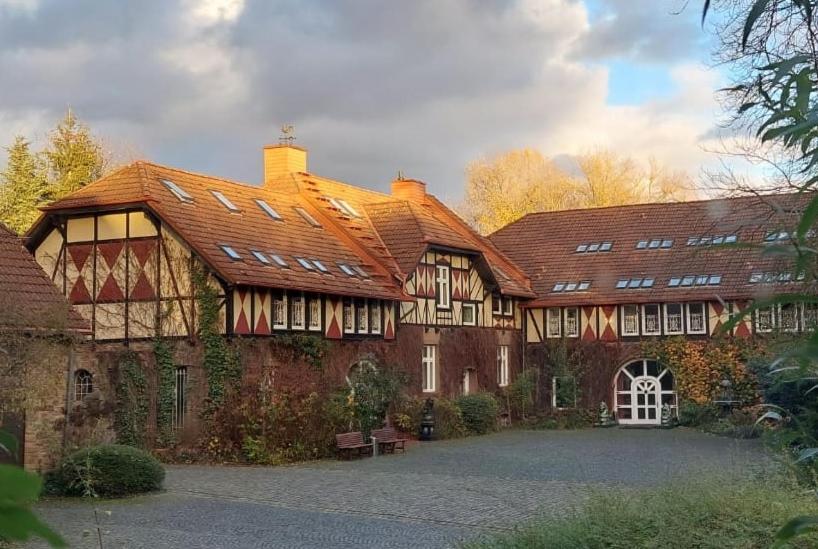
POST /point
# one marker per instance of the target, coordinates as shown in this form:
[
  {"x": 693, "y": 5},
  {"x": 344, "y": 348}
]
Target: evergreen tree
[
  {"x": 74, "y": 157},
  {"x": 23, "y": 187}
]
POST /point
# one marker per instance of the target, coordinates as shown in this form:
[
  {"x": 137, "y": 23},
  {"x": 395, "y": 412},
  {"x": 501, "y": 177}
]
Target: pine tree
[
  {"x": 23, "y": 187},
  {"x": 74, "y": 157}
]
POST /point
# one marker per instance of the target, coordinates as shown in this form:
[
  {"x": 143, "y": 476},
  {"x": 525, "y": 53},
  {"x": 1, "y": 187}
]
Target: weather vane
[{"x": 287, "y": 136}]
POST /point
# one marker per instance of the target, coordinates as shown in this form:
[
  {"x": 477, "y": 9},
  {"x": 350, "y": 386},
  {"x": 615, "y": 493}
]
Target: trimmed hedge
[
  {"x": 109, "y": 470},
  {"x": 479, "y": 412}
]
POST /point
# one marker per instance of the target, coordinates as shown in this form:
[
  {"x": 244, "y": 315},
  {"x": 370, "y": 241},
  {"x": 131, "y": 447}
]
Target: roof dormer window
[
  {"x": 225, "y": 201},
  {"x": 177, "y": 191},
  {"x": 266, "y": 208}
]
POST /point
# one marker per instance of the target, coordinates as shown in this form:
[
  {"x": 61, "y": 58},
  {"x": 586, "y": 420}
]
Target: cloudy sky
[{"x": 371, "y": 86}]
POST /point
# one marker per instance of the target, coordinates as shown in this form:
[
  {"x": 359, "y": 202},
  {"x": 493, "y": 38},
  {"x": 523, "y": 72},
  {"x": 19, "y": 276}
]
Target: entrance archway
[{"x": 641, "y": 388}]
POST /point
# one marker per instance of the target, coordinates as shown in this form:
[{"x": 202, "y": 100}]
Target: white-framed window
[
  {"x": 674, "y": 324},
  {"x": 314, "y": 321},
  {"x": 298, "y": 313},
  {"x": 280, "y": 311},
  {"x": 789, "y": 317},
  {"x": 375, "y": 316},
  {"x": 83, "y": 384},
  {"x": 630, "y": 320},
  {"x": 180, "y": 398},
  {"x": 225, "y": 201},
  {"x": 696, "y": 319},
  {"x": 469, "y": 314},
  {"x": 563, "y": 392},
  {"x": 308, "y": 217},
  {"x": 429, "y": 365},
  {"x": 553, "y": 325},
  {"x": 502, "y": 365},
  {"x": 572, "y": 322},
  {"x": 508, "y": 306},
  {"x": 362, "y": 311},
  {"x": 765, "y": 319},
  {"x": 651, "y": 321},
  {"x": 349, "y": 317},
  {"x": 442, "y": 286},
  {"x": 497, "y": 304}
]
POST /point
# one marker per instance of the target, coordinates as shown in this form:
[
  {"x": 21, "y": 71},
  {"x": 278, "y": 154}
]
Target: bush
[
  {"x": 708, "y": 513},
  {"x": 522, "y": 391},
  {"x": 563, "y": 419},
  {"x": 692, "y": 414},
  {"x": 108, "y": 470},
  {"x": 479, "y": 412}
]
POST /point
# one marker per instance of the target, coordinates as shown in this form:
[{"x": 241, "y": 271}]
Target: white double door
[{"x": 642, "y": 388}]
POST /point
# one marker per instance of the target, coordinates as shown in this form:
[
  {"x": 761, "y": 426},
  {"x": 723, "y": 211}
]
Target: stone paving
[{"x": 433, "y": 496}]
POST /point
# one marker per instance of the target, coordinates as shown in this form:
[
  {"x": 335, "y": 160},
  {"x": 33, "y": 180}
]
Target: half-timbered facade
[{"x": 612, "y": 278}]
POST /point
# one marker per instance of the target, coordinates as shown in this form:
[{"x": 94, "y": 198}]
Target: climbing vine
[
  {"x": 221, "y": 363},
  {"x": 311, "y": 348},
  {"x": 131, "y": 413},
  {"x": 166, "y": 372}
]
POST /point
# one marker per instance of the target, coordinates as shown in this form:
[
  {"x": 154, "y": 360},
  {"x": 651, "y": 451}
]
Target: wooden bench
[
  {"x": 349, "y": 442},
  {"x": 389, "y": 440}
]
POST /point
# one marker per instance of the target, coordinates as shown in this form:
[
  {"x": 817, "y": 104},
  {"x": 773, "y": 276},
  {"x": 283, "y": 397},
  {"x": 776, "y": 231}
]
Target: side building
[
  {"x": 393, "y": 279},
  {"x": 609, "y": 280}
]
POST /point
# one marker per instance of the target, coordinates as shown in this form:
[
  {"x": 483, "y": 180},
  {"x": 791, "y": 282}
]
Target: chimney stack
[
  {"x": 282, "y": 160},
  {"x": 409, "y": 189}
]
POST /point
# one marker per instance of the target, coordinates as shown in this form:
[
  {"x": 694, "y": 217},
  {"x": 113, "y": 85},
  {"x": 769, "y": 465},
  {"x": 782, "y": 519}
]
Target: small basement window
[
  {"x": 307, "y": 217},
  {"x": 231, "y": 253},
  {"x": 266, "y": 208},
  {"x": 225, "y": 201},
  {"x": 177, "y": 191}
]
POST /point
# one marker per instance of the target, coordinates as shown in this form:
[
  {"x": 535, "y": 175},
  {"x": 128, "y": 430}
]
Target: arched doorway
[{"x": 641, "y": 388}]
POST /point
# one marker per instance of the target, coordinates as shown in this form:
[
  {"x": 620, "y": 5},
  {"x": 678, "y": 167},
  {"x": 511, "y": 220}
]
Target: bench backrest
[
  {"x": 345, "y": 440},
  {"x": 386, "y": 434}
]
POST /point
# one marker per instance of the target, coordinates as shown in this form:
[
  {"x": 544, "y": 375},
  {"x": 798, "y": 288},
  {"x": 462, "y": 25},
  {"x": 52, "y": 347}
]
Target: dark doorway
[{"x": 13, "y": 423}]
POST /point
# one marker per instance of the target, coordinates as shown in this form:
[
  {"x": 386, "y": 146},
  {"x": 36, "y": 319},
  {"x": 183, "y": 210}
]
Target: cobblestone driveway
[{"x": 433, "y": 496}]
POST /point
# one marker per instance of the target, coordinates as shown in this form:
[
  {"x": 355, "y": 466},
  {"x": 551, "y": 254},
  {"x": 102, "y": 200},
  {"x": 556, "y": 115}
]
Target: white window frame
[
  {"x": 658, "y": 329},
  {"x": 666, "y": 322},
  {"x": 314, "y": 322},
  {"x": 269, "y": 210},
  {"x": 349, "y": 316},
  {"x": 634, "y": 317},
  {"x": 473, "y": 308},
  {"x": 362, "y": 318},
  {"x": 796, "y": 317},
  {"x": 772, "y": 310},
  {"x": 497, "y": 304},
  {"x": 689, "y": 316},
  {"x": 429, "y": 369},
  {"x": 575, "y": 331},
  {"x": 508, "y": 306},
  {"x": 224, "y": 201},
  {"x": 375, "y": 316},
  {"x": 443, "y": 290},
  {"x": 307, "y": 216},
  {"x": 298, "y": 310},
  {"x": 502, "y": 365},
  {"x": 280, "y": 304},
  {"x": 551, "y": 322}
]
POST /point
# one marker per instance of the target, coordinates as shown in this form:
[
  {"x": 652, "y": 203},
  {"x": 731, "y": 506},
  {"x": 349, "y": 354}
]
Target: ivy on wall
[
  {"x": 166, "y": 401},
  {"x": 220, "y": 362},
  {"x": 311, "y": 348},
  {"x": 131, "y": 412}
]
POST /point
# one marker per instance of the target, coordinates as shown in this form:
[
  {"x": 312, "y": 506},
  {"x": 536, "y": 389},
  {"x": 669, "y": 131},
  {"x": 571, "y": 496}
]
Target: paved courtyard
[{"x": 433, "y": 496}]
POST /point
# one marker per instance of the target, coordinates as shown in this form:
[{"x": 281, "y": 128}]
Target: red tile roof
[
  {"x": 544, "y": 245},
  {"x": 28, "y": 298}
]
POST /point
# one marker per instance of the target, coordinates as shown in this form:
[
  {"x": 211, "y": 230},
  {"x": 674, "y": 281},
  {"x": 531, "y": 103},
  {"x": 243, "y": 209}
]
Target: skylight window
[
  {"x": 756, "y": 278},
  {"x": 634, "y": 282},
  {"x": 605, "y": 247},
  {"x": 688, "y": 280},
  {"x": 631, "y": 283},
  {"x": 714, "y": 280},
  {"x": 593, "y": 247},
  {"x": 305, "y": 263},
  {"x": 360, "y": 271},
  {"x": 347, "y": 207},
  {"x": 582, "y": 248},
  {"x": 570, "y": 287},
  {"x": 675, "y": 281},
  {"x": 307, "y": 217},
  {"x": 623, "y": 283},
  {"x": 266, "y": 208},
  {"x": 705, "y": 241},
  {"x": 280, "y": 262},
  {"x": 558, "y": 287},
  {"x": 642, "y": 244},
  {"x": 584, "y": 285},
  {"x": 701, "y": 280},
  {"x": 231, "y": 253},
  {"x": 693, "y": 241},
  {"x": 260, "y": 256},
  {"x": 730, "y": 239},
  {"x": 347, "y": 270},
  {"x": 718, "y": 240},
  {"x": 321, "y": 266},
  {"x": 667, "y": 243},
  {"x": 654, "y": 244},
  {"x": 225, "y": 201},
  {"x": 647, "y": 282},
  {"x": 177, "y": 191}
]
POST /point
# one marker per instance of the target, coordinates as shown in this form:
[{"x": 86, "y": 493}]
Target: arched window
[
  {"x": 83, "y": 384},
  {"x": 641, "y": 388}
]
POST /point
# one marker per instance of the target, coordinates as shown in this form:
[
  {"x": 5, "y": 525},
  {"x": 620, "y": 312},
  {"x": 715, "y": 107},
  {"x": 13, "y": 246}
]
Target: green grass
[{"x": 705, "y": 513}]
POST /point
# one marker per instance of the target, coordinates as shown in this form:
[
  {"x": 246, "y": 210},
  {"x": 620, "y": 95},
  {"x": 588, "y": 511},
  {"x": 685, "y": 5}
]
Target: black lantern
[{"x": 427, "y": 421}]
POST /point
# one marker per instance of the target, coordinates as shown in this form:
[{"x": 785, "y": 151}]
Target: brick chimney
[
  {"x": 409, "y": 189},
  {"x": 280, "y": 160}
]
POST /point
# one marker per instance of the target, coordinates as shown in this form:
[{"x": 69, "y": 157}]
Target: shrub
[
  {"x": 521, "y": 393},
  {"x": 693, "y": 414},
  {"x": 707, "y": 513},
  {"x": 564, "y": 419},
  {"x": 108, "y": 470},
  {"x": 479, "y": 412}
]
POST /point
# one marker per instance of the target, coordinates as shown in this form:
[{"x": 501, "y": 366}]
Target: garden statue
[
  {"x": 604, "y": 418},
  {"x": 667, "y": 416},
  {"x": 427, "y": 421}
]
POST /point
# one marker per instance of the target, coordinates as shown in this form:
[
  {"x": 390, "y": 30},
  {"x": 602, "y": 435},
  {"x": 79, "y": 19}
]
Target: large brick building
[{"x": 399, "y": 278}]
